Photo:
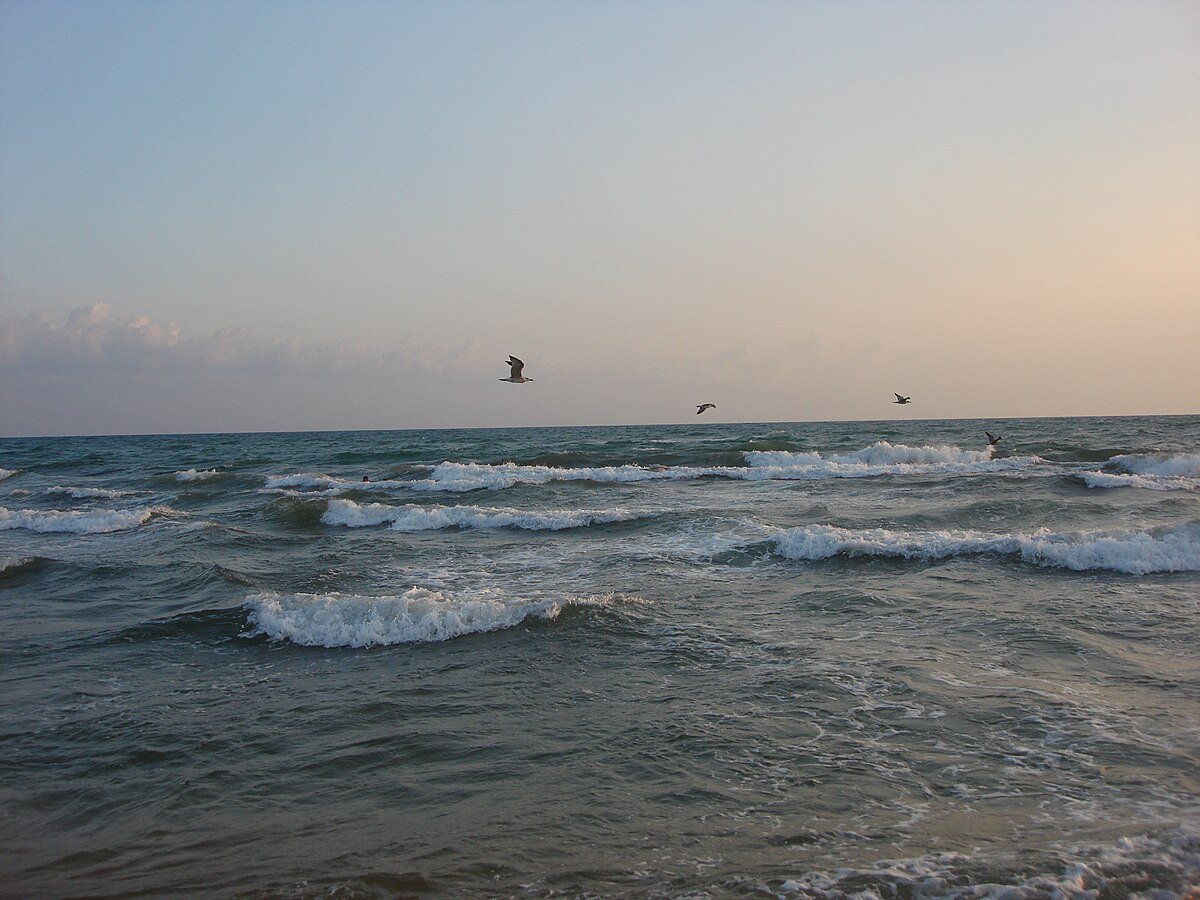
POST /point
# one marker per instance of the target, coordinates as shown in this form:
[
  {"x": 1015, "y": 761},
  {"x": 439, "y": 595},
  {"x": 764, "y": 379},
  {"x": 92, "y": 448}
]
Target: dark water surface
[{"x": 835, "y": 659}]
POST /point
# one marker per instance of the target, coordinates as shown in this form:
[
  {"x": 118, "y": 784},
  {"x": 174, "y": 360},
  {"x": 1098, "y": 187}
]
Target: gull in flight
[
  {"x": 703, "y": 406},
  {"x": 516, "y": 365},
  {"x": 901, "y": 400},
  {"x": 993, "y": 439}
]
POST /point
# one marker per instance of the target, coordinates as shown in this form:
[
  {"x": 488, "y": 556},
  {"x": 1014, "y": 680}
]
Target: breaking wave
[
  {"x": 880, "y": 458},
  {"x": 11, "y": 567},
  {"x": 1152, "y": 471},
  {"x": 418, "y": 615},
  {"x": 86, "y": 493},
  {"x": 427, "y": 518},
  {"x": 194, "y": 475},
  {"x": 7, "y": 473},
  {"x": 1134, "y": 553},
  {"x": 77, "y": 521},
  {"x": 312, "y": 483}
]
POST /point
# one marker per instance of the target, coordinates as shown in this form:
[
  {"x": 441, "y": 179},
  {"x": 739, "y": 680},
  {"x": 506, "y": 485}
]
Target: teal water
[{"x": 798, "y": 659}]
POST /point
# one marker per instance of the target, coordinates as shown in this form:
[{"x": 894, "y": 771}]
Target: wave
[
  {"x": 761, "y": 465},
  {"x": 1134, "y": 553},
  {"x": 1185, "y": 465},
  {"x": 428, "y": 518},
  {"x": 86, "y": 493},
  {"x": 326, "y": 485},
  {"x": 1152, "y": 471},
  {"x": 418, "y": 615},
  {"x": 76, "y": 521},
  {"x": 7, "y": 473},
  {"x": 1104, "y": 480},
  {"x": 1165, "y": 865},
  {"x": 12, "y": 567},
  {"x": 201, "y": 475}
]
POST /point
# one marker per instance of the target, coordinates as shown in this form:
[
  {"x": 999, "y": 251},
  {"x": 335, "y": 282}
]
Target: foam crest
[
  {"x": 883, "y": 458},
  {"x": 1135, "y": 553},
  {"x": 194, "y": 475},
  {"x": 1185, "y": 465},
  {"x": 418, "y": 615},
  {"x": 1151, "y": 471},
  {"x": 86, "y": 493},
  {"x": 76, "y": 521},
  {"x": 450, "y": 476},
  {"x": 7, "y": 473},
  {"x": 427, "y": 518},
  {"x": 762, "y": 465},
  {"x": 1106, "y": 480},
  {"x": 311, "y": 482}
]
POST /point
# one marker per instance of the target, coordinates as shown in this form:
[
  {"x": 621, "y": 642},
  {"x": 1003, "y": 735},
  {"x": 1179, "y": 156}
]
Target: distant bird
[
  {"x": 901, "y": 400},
  {"x": 993, "y": 439},
  {"x": 516, "y": 365},
  {"x": 703, "y": 406}
]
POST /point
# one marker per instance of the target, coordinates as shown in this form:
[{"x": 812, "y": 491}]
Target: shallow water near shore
[{"x": 783, "y": 659}]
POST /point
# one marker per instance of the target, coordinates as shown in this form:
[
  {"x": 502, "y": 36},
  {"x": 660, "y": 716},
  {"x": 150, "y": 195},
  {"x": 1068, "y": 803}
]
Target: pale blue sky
[{"x": 330, "y": 215}]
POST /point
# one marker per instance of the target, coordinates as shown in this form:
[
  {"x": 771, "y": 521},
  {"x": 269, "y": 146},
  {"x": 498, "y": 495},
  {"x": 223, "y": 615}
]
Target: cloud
[{"x": 92, "y": 339}]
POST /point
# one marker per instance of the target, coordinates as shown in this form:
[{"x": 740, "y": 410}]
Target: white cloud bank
[{"x": 92, "y": 339}]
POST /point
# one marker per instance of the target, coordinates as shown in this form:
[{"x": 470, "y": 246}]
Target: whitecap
[
  {"x": 884, "y": 458},
  {"x": 1151, "y": 471},
  {"x": 326, "y": 485},
  {"x": 1104, "y": 480},
  {"x": 880, "y": 458},
  {"x": 86, "y": 493},
  {"x": 7, "y": 473},
  {"x": 451, "y": 476},
  {"x": 426, "y": 518},
  {"x": 194, "y": 475},
  {"x": 418, "y": 615},
  {"x": 76, "y": 521},
  {"x": 1180, "y": 464},
  {"x": 1135, "y": 553}
]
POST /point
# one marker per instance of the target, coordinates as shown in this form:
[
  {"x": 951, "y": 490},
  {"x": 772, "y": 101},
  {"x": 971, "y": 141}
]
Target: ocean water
[{"x": 869, "y": 659}]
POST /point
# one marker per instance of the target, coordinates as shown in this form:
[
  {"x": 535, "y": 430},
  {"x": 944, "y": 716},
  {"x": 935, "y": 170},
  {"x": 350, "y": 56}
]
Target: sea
[{"x": 828, "y": 660}]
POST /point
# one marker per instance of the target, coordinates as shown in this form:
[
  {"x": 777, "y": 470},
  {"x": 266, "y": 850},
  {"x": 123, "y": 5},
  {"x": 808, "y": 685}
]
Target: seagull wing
[{"x": 516, "y": 365}]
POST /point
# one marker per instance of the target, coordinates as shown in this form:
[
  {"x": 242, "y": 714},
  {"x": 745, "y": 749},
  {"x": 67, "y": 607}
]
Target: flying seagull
[
  {"x": 993, "y": 439},
  {"x": 703, "y": 406},
  {"x": 901, "y": 400},
  {"x": 516, "y": 365}
]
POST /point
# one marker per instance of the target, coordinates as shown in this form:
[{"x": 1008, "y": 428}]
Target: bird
[
  {"x": 901, "y": 400},
  {"x": 703, "y": 406},
  {"x": 516, "y": 365},
  {"x": 993, "y": 439}
]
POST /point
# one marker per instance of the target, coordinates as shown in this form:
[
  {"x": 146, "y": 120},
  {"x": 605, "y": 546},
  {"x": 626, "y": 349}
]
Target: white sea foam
[
  {"x": 417, "y": 615},
  {"x": 450, "y": 476},
  {"x": 1182, "y": 464},
  {"x": 883, "y": 458},
  {"x": 1148, "y": 482},
  {"x": 76, "y": 521},
  {"x": 194, "y": 475},
  {"x": 1135, "y": 553},
  {"x": 762, "y": 465},
  {"x": 1151, "y": 471},
  {"x": 327, "y": 485},
  {"x": 426, "y": 518},
  {"x": 7, "y": 473},
  {"x": 86, "y": 493},
  {"x": 1153, "y": 867}
]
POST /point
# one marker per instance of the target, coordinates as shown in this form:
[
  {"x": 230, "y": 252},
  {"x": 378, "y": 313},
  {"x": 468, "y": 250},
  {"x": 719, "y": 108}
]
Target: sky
[{"x": 298, "y": 215}]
